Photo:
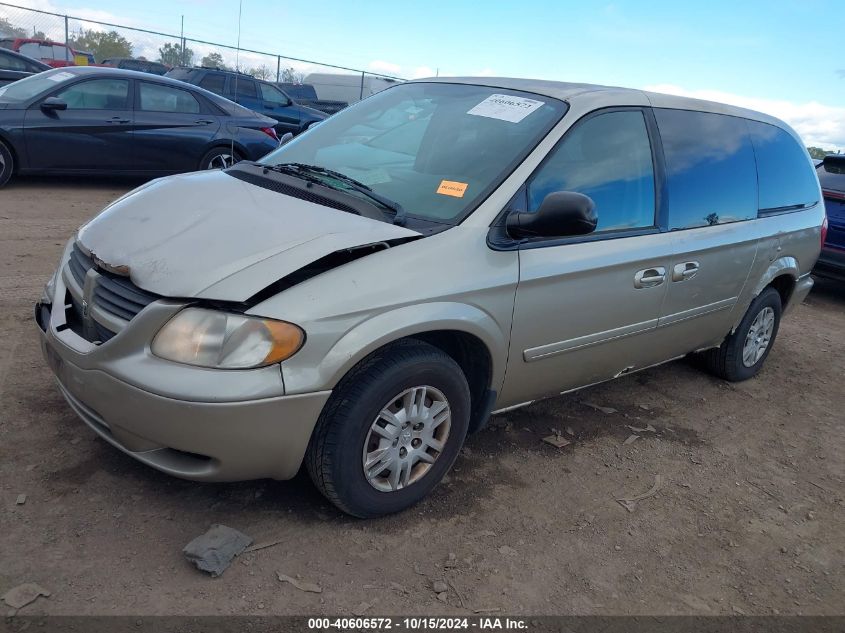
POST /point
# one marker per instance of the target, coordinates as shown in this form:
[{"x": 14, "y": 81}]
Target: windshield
[
  {"x": 29, "y": 87},
  {"x": 437, "y": 149}
]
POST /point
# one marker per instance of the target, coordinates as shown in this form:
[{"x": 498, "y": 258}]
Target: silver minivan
[{"x": 367, "y": 294}]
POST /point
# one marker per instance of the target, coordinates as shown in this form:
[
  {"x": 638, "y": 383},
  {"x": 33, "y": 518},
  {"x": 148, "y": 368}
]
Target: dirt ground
[{"x": 749, "y": 518}]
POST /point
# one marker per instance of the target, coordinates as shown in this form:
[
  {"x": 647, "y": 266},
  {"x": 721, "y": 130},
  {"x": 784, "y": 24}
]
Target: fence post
[
  {"x": 361, "y": 94},
  {"x": 278, "y": 68},
  {"x": 66, "y": 32}
]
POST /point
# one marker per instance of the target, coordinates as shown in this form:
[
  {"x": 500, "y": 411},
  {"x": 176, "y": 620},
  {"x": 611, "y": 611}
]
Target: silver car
[{"x": 367, "y": 294}]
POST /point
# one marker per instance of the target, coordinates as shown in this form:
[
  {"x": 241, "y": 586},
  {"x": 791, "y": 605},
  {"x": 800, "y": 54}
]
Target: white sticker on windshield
[
  {"x": 60, "y": 76},
  {"x": 505, "y": 108}
]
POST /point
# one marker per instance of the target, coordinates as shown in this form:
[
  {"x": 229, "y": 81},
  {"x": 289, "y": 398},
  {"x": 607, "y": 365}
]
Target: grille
[
  {"x": 121, "y": 297},
  {"x": 113, "y": 295},
  {"x": 79, "y": 264}
]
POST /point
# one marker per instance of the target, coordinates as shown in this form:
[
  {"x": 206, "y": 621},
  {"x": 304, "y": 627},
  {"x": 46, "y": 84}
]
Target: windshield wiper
[{"x": 301, "y": 169}]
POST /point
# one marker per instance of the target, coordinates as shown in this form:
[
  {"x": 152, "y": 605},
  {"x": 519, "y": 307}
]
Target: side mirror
[
  {"x": 286, "y": 137},
  {"x": 561, "y": 214},
  {"x": 53, "y": 103}
]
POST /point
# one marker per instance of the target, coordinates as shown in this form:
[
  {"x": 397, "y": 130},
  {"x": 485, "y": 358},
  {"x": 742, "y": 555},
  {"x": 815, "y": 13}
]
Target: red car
[{"x": 53, "y": 54}]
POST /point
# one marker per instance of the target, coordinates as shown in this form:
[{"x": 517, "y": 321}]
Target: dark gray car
[
  {"x": 14, "y": 66},
  {"x": 109, "y": 121}
]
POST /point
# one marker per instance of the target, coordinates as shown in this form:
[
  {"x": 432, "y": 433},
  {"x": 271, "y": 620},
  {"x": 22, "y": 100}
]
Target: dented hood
[{"x": 208, "y": 235}]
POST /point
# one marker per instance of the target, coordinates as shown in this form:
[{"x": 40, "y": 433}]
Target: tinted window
[
  {"x": 783, "y": 168},
  {"x": 607, "y": 157},
  {"x": 272, "y": 94},
  {"x": 10, "y": 62},
  {"x": 832, "y": 173},
  {"x": 245, "y": 88},
  {"x": 213, "y": 82},
  {"x": 158, "y": 98},
  {"x": 96, "y": 94},
  {"x": 712, "y": 177}
]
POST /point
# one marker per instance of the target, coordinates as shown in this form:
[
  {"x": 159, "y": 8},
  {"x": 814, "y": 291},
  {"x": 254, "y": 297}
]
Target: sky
[{"x": 783, "y": 57}]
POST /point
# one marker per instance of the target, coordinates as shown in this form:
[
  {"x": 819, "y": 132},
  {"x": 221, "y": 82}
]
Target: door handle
[
  {"x": 650, "y": 277},
  {"x": 204, "y": 122},
  {"x": 117, "y": 119},
  {"x": 684, "y": 271}
]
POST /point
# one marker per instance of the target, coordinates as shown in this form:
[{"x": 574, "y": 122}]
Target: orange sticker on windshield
[{"x": 452, "y": 188}]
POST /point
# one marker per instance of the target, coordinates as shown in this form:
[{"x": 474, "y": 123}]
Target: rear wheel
[
  {"x": 391, "y": 430},
  {"x": 743, "y": 353},
  {"x": 7, "y": 164},
  {"x": 220, "y": 158}
]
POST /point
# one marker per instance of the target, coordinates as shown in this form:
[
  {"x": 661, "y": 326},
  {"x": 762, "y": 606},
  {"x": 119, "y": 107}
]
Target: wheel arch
[
  {"x": 16, "y": 160},
  {"x": 466, "y": 333},
  {"x": 782, "y": 274},
  {"x": 226, "y": 144}
]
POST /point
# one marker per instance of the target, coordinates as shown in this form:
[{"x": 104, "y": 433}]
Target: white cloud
[
  {"x": 819, "y": 125},
  {"x": 423, "y": 71},
  {"x": 381, "y": 66}
]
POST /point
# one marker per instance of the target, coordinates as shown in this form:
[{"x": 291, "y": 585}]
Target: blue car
[
  {"x": 831, "y": 172},
  {"x": 259, "y": 96}
]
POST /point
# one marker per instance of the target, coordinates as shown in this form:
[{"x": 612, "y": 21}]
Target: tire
[
  {"x": 216, "y": 157},
  {"x": 345, "y": 434},
  {"x": 7, "y": 164},
  {"x": 732, "y": 360}
]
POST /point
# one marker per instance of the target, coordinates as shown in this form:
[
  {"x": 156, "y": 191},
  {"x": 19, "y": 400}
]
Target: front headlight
[{"x": 209, "y": 338}]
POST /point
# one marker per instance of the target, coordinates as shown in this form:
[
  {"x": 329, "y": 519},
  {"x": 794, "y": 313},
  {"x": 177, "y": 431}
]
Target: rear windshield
[{"x": 832, "y": 173}]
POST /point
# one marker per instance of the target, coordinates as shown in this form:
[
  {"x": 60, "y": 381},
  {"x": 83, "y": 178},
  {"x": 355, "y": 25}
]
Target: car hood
[{"x": 209, "y": 235}]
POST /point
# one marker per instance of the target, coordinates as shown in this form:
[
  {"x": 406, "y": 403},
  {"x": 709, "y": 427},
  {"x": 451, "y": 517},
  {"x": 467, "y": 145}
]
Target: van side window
[
  {"x": 783, "y": 169},
  {"x": 607, "y": 157},
  {"x": 712, "y": 177}
]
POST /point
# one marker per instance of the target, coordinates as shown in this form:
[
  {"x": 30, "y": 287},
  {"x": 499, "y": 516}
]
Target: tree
[
  {"x": 213, "y": 60},
  {"x": 101, "y": 43},
  {"x": 818, "y": 152},
  {"x": 261, "y": 72},
  {"x": 173, "y": 55},
  {"x": 292, "y": 76},
  {"x": 7, "y": 29}
]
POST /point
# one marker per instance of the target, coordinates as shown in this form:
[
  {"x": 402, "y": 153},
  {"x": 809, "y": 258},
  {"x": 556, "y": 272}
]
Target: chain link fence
[{"x": 74, "y": 40}]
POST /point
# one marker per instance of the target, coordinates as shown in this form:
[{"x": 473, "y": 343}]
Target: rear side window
[
  {"x": 213, "y": 82},
  {"x": 712, "y": 177},
  {"x": 606, "y": 157},
  {"x": 783, "y": 168},
  {"x": 13, "y": 63},
  {"x": 832, "y": 173},
  {"x": 159, "y": 98},
  {"x": 245, "y": 87}
]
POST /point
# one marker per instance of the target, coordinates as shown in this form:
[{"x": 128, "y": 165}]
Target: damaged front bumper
[{"x": 190, "y": 422}]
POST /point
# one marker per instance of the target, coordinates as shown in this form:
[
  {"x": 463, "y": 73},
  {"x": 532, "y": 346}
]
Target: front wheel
[
  {"x": 7, "y": 164},
  {"x": 743, "y": 353},
  {"x": 391, "y": 430},
  {"x": 219, "y": 158}
]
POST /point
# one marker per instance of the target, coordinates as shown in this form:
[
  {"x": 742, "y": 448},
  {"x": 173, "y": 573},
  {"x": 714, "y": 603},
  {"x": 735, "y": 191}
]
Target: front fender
[{"x": 369, "y": 335}]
